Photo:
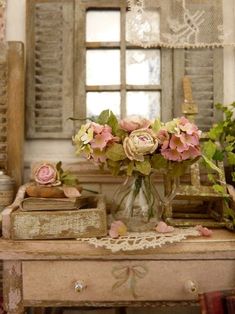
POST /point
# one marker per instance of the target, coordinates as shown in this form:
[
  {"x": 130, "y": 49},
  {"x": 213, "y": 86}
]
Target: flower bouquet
[{"x": 136, "y": 147}]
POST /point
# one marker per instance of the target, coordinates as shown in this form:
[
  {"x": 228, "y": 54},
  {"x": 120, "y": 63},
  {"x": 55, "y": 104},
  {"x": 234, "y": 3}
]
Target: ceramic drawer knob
[
  {"x": 191, "y": 286},
  {"x": 80, "y": 286}
]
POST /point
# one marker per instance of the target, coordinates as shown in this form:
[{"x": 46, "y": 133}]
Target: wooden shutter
[
  {"x": 49, "y": 68},
  {"x": 3, "y": 106},
  {"x": 205, "y": 68}
]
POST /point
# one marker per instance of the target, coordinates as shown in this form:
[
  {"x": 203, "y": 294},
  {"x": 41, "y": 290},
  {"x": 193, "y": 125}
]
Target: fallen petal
[
  {"x": 71, "y": 191},
  {"x": 113, "y": 233},
  {"x": 162, "y": 227},
  {"x": 204, "y": 231}
]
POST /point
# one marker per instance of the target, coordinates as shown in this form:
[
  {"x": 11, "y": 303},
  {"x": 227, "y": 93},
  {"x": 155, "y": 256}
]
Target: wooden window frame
[{"x": 81, "y": 46}]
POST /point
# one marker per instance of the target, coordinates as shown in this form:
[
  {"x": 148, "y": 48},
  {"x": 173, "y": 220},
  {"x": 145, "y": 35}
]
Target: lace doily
[
  {"x": 187, "y": 23},
  {"x": 140, "y": 241}
]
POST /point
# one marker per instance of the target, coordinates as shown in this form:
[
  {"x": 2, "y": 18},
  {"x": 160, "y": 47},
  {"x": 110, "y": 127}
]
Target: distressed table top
[{"x": 220, "y": 246}]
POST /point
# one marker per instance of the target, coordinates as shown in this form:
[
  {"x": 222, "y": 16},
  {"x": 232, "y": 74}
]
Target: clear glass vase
[{"x": 136, "y": 203}]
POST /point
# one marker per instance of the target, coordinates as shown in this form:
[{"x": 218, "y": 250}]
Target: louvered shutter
[
  {"x": 205, "y": 68},
  {"x": 3, "y": 106},
  {"x": 49, "y": 68}
]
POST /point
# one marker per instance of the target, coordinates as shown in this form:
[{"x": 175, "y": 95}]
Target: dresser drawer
[{"x": 124, "y": 280}]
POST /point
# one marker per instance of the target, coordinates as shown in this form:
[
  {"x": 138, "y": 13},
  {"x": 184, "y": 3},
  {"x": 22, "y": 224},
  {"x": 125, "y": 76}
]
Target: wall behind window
[{"x": 62, "y": 149}]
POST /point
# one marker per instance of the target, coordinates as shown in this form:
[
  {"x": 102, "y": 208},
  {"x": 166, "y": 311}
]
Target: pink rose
[
  {"x": 45, "y": 173},
  {"x": 132, "y": 123}
]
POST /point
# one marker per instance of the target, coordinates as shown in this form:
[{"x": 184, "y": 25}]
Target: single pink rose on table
[
  {"x": 134, "y": 122},
  {"x": 46, "y": 174}
]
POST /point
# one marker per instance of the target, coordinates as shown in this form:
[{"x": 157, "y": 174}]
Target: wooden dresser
[{"x": 71, "y": 273}]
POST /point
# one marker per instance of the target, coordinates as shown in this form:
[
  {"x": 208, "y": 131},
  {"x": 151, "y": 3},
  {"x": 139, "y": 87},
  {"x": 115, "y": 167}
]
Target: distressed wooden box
[{"x": 87, "y": 222}]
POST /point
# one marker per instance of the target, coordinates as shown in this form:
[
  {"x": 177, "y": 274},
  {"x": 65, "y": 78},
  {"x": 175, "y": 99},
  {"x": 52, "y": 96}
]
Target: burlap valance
[{"x": 180, "y": 23}]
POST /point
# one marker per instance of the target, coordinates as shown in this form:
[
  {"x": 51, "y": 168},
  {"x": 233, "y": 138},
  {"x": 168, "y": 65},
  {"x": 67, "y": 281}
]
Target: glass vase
[{"x": 136, "y": 203}]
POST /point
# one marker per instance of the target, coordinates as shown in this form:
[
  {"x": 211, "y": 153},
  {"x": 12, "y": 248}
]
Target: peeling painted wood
[{"x": 12, "y": 287}]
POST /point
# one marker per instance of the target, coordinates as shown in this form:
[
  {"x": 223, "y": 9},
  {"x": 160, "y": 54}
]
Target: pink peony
[
  {"x": 45, "y": 173},
  {"x": 134, "y": 122},
  {"x": 118, "y": 228},
  {"x": 140, "y": 143}
]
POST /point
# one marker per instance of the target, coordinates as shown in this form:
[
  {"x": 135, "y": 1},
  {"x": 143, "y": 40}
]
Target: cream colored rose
[{"x": 140, "y": 143}]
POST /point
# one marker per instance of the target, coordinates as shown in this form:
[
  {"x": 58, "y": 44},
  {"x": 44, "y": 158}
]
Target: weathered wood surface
[
  {"x": 124, "y": 280},
  {"x": 3, "y": 105},
  {"x": 220, "y": 246},
  {"x": 15, "y": 137},
  {"x": 58, "y": 224},
  {"x": 89, "y": 222},
  {"x": 49, "y": 68},
  {"x": 6, "y": 214},
  {"x": 12, "y": 287}
]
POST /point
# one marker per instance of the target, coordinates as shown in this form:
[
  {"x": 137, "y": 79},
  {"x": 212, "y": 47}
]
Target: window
[
  {"x": 118, "y": 75},
  {"x": 79, "y": 62}
]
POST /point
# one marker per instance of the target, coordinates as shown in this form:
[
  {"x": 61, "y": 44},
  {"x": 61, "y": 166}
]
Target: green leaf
[
  {"x": 211, "y": 164},
  {"x": 218, "y": 155},
  {"x": 130, "y": 168},
  {"x": 230, "y": 147},
  {"x": 156, "y": 125},
  {"x": 143, "y": 167},
  {"x": 178, "y": 168},
  {"x": 219, "y": 189},
  {"x": 231, "y": 158},
  {"x": 233, "y": 176},
  {"x": 158, "y": 161},
  {"x": 104, "y": 116},
  {"x": 116, "y": 152},
  {"x": 209, "y": 149},
  {"x": 211, "y": 177},
  {"x": 216, "y": 131},
  {"x": 59, "y": 166},
  {"x": 230, "y": 138},
  {"x": 114, "y": 166}
]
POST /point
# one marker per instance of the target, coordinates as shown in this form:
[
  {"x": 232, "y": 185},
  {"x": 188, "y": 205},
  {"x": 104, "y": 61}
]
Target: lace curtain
[
  {"x": 2, "y": 20},
  {"x": 183, "y": 24}
]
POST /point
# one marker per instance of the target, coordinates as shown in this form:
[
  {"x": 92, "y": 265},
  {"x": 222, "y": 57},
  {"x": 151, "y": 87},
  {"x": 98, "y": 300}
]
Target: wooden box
[{"x": 66, "y": 224}]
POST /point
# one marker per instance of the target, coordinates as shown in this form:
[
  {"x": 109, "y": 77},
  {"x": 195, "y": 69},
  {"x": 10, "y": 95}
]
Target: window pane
[
  {"x": 146, "y": 104},
  {"x": 143, "y": 67},
  {"x": 103, "y": 67},
  {"x": 144, "y": 26},
  {"x": 98, "y": 101},
  {"x": 103, "y": 25}
]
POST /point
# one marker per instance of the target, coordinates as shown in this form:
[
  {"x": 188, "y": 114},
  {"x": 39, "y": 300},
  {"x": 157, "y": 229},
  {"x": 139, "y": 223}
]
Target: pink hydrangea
[{"x": 183, "y": 143}]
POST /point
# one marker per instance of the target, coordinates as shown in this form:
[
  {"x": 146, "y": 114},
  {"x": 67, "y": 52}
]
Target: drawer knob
[
  {"x": 191, "y": 286},
  {"x": 80, "y": 286}
]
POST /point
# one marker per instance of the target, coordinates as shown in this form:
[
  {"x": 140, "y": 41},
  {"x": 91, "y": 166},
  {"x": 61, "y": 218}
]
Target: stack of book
[{"x": 59, "y": 218}]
